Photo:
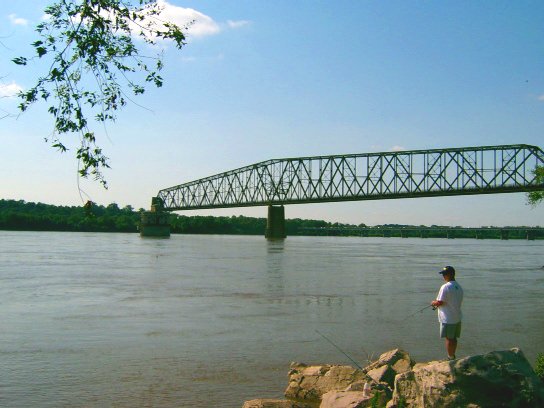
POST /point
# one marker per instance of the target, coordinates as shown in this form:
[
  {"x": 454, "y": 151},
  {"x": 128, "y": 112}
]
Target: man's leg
[
  {"x": 450, "y": 332},
  {"x": 451, "y": 346}
]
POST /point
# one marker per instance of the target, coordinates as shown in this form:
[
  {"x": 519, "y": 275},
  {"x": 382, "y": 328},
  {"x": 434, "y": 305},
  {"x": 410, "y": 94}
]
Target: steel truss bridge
[{"x": 366, "y": 176}]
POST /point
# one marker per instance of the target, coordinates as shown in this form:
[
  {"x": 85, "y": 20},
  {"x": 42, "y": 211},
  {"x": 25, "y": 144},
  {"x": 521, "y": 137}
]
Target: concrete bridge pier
[
  {"x": 275, "y": 223},
  {"x": 155, "y": 223}
]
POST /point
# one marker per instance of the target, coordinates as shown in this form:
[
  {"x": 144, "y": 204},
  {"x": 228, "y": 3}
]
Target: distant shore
[{"x": 18, "y": 215}]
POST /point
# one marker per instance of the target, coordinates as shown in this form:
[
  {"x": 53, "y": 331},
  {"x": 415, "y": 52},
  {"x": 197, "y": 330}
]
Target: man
[{"x": 448, "y": 302}]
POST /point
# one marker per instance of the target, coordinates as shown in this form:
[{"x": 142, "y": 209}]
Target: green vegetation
[
  {"x": 539, "y": 366},
  {"x": 536, "y": 197},
  {"x": 23, "y": 216},
  {"x": 377, "y": 400},
  {"x": 20, "y": 215}
]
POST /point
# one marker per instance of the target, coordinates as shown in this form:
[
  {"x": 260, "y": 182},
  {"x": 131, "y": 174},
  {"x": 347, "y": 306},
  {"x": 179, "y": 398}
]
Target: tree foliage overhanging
[
  {"x": 536, "y": 197},
  {"x": 93, "y": 65}
]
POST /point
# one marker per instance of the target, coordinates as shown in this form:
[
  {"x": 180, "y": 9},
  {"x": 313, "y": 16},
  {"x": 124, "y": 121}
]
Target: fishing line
[{"x": 339, "y": 349}]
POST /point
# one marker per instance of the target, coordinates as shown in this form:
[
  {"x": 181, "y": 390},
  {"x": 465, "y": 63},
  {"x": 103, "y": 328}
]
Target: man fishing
[{"x": 448, "y": 302}]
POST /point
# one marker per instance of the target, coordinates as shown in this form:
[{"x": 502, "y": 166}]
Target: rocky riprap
[{"x": 495, "y": 379}]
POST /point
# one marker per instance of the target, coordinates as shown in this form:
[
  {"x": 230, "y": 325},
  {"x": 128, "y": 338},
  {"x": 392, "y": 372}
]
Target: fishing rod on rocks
[{"x": 339, "y": 349}]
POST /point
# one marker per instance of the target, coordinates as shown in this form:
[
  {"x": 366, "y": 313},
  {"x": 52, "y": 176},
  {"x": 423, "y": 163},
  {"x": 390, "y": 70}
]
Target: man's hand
[{"x": 437, "y": 303}]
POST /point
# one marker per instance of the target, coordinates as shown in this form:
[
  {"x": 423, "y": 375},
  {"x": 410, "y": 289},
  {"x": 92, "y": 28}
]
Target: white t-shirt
[{"x": 451, "y": 294}]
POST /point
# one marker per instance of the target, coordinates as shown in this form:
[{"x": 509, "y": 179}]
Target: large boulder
[
  {"x": 309, "y": 383},
  {"x": 496, "y": 379}
]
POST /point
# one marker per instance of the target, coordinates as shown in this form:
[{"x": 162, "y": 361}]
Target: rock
[
  {"x": 496, "y": 379},
  {"x": 353, "y": 399},
  {"x": 309, "y": 383},
  {"x": 344, "y": 399},
  {"x": 384, "y": 389},
  {"x": 356, "y": 386},
  {"x": 383, "y": 374},
  {"x": 390, "y": 364},
  {"x": 273, "y": 403}
]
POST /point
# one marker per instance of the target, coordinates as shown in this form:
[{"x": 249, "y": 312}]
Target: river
[{"x": 94, "y": 320}]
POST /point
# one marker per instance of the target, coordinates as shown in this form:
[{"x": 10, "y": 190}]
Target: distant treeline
[
  {"x": 23, "y": 216},
  {"x": 20, "y": 215},
  {"x": 409, "y": 231}
]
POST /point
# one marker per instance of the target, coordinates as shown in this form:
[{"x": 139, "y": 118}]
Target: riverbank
[{"x": 498, "y": 378}]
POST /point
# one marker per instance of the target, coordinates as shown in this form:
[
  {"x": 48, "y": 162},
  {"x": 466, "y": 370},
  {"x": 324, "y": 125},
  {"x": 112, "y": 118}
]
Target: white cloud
[
  {"x": 17, "y": 20},
  {"x": 197, "y": 24},
  {"x": 200, "y": 25},
  {"x": 9, "y": 90},
  {"x": 237, "y": 24},
  {"x": 398, "y": 148},
  {"x": 541, "y": 98}
]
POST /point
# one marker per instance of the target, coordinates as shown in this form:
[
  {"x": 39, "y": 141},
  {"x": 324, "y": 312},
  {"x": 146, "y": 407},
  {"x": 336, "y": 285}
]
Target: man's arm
[{"x": 440, "y": 297}]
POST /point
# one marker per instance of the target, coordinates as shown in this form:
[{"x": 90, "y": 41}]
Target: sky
[{"x": 262, "y": 80}]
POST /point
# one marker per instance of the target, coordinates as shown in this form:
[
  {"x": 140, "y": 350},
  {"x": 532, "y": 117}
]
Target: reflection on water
[
  {"x": 274, "y": 267},
  {"x": 198, "y": 321}
]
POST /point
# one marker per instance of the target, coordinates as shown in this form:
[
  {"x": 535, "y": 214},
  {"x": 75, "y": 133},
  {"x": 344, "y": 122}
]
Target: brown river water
[{"x": 100, "y": 320}]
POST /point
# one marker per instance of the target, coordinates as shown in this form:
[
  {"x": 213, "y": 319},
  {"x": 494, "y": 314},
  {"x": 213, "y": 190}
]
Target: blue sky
[{"x": 272, "y": 79}]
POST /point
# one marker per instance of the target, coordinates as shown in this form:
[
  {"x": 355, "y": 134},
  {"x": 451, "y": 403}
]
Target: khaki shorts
[{"x": 450, "y": 331}]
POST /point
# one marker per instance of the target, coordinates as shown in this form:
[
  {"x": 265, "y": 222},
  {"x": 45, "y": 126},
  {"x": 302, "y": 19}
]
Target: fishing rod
[
  {"x": 421, "y": 310},
  {"x": 339, "y": 349}
]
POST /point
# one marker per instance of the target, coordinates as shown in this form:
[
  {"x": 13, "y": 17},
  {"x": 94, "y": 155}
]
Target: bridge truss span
[{"x": 367, "y": 176}]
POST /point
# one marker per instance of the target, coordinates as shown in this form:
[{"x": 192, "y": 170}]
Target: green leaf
[
  {"x": 41, "y": 51},
  {"x": 20, "y": 60}
]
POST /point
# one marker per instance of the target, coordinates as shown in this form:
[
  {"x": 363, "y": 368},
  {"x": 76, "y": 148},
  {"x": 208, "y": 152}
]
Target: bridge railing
[{"x": 367, "y": 176}]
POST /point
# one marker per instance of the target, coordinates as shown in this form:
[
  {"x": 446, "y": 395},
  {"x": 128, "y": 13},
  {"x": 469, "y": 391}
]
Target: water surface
[{"x": 92, "y": 320}]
